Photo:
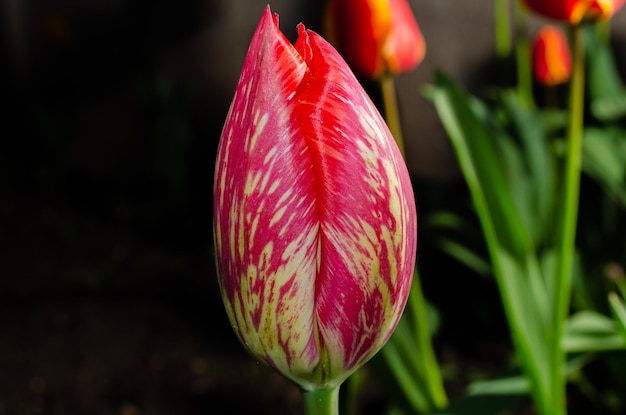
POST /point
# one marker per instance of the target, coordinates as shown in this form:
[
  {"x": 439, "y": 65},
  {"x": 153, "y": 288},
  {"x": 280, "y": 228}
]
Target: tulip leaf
[
  {"x": 512, "y": 253},
  {"x": 485, "y": 404},
  {"x": 490, "y": 397},
  {"x": 411, "y": 384},
  {"x": 449, "y": 220},
  {"x": 461, "y": 251},
  {"x": 530, "y": 130},
  {"x": 618, "y": 308},
  {"x": 454, "y": 224},
  {"x": 518, "y": 182},
  {"x": 603, "y": 153},
  {"x": 502, "y": 393},
  {"x": 480, "y": 164},
  {"x": 410, "y": 355},
  {"x": 606, "y": 90},
  {"x": 589, "y": 331},
  {"x": 465, "y": 255},
  {"x": 480, "y": 160}
]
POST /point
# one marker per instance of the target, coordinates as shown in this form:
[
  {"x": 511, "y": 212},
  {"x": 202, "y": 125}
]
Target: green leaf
[
  {"x": 604, "y": 152},
  {"x": 606, "y": 90},
  {"x": 465, "y": 255},
  {"x": 410, "y": 358},
  {"x": 619, "y": 311},
  {"x": 589, "y": 331},
  {"x": 490, "y": 397},
  {"x": 518, "y": 181},
  {"x": 481, "y": 165},
  {"x": 530, "y": 129},
  {"x": 449, "y": 220}
]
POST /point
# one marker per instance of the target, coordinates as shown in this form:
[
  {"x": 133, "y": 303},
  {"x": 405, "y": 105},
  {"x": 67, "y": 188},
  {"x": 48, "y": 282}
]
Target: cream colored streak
[
  {"x": 293, "y": 315},
  {"x": 260, "y": 125}
]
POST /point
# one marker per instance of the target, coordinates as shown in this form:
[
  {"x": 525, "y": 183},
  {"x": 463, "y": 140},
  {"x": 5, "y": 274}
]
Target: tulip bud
[
  {"x": 552, "y": 61},
  {"x": 375, "y": 36},
  {"x": 575, "y": 11},
  {"x": 315, "y": 225}
]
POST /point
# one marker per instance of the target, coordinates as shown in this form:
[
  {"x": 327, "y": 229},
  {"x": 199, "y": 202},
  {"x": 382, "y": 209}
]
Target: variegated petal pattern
[{"x": 314, "y": 217}]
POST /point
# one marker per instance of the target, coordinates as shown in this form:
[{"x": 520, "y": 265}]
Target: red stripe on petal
[
  {"x": 265, "y": 225},
  {"x": 366, "y": 207}
]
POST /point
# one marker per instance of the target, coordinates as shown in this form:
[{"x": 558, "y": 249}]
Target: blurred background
[{"x": 111, "y": 116}]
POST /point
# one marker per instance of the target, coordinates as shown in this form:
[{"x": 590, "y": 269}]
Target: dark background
[{"x": 111, "y": 115}]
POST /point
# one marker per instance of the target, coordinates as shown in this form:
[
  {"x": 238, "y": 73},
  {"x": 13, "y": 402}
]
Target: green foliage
[
  {"x": 523, "y": 165},
  {"x": 513, "y": 159}
]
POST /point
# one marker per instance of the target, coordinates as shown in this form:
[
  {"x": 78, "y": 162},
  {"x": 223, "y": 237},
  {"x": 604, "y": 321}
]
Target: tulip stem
[
  {"x": 502, "y": 25},
  {"x": 428, "y": 360},
  {"x": 522, "y": 52},
  {"x": 392, "y": 113},
  {"x": 321, "y": 401},
  {"x": 568, "y": 219}
]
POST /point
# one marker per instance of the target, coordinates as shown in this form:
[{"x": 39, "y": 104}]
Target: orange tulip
[
  {"x": 375, "y": 36},
  {"x": 575, "y": 11},
  {"x": 552, "y": 61}
]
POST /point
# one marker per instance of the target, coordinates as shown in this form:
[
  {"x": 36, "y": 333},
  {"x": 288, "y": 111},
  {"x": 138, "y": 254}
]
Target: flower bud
[
  {"x": 575, "y": 11},
  {"x": 375, "y": 36},
  {"x": 552, "y": 61},
  {"x": 315, "y": 223}
]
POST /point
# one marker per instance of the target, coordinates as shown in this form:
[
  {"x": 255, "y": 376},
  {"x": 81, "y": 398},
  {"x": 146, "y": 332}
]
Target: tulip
[
  {"x": 315, "y": 225},
  {"x": 376, "y": 37},
  {"x": 575, "y": 11},
  {"x": 552, "y": 61}
]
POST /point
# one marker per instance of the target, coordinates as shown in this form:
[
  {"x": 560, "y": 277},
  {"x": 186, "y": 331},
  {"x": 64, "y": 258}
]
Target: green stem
[
  {"x": 522, "y": 52},
  {"x": 427, "y": 358},
  {"x": 392, "y": 113},
  {"x": 567, "y": 229},
  {"x": 502, "y": 26},
  {"x": 321, "y": 401}
]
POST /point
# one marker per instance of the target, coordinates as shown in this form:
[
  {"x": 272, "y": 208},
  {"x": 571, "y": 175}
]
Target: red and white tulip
[{"x": 315, "y": 224}]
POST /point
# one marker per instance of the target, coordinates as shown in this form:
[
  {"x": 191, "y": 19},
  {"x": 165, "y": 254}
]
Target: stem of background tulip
[
  {"x": 321, "y": 401},
  {"x": 431, "y": 373},
  {"x": 502, "y": 26},
  {"x": 522, "y": 55},
  {"x": 567, "y": 234},
  {"x": 392, "y": 114}
]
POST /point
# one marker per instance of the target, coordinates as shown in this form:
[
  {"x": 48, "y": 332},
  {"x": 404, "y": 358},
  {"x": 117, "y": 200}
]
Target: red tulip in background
[
  {"x": 552, "y": 60},
  {"x": 376, "y": 36},
  {"x": 314, "y": 215},
  {"x": 575, "y": 11}
]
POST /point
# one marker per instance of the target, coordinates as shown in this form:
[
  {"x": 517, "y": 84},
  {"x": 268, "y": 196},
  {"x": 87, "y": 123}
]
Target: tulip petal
[
  {"x": 552, "y": 62},
  {"x": 404, "y": 47},
  {"x": 366, "y": 207},
  {"x": 266, "y": 225},
  {"x": 360, "y": 29},
  {"x": 377, "y": 37}
]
